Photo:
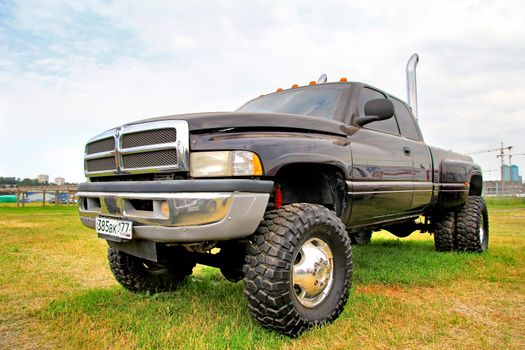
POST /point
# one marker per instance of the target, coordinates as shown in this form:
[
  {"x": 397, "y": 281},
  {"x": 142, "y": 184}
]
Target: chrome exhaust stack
[
  {"x": 411, "y": 83},
  {"x": 322, "y": 79}
]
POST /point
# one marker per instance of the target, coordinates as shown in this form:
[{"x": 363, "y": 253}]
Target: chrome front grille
[
  {"x": 104, "y": 145},
  {"x": 153, "y": 147},
  {"x": 149, "y": 159},
  {"x": 101, "y": 164},
  {"x": 151, "y": 137}
]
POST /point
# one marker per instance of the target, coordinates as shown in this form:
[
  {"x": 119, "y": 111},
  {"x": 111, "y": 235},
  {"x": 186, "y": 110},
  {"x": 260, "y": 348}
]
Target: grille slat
[
  {"x": 149, "y": 137},
  {"x": 101, "y": 164},
  {"x": 149, "y": 159},
  {"x": 104, "y": 145}
]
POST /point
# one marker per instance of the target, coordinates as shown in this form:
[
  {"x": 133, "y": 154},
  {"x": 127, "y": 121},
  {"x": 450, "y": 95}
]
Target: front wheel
[
  {"x": 140, "y": 275},
  {"x": 298, "y": 268}
]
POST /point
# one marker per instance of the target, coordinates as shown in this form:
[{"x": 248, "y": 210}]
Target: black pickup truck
[{"x": 274, "y": 193}]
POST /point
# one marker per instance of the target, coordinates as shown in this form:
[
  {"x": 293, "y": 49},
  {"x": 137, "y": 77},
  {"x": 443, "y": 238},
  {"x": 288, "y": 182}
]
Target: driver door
[{"x": 382, "y": 170}]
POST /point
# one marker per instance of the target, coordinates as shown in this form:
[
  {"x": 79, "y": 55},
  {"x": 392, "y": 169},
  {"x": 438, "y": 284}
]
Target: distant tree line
[{"x": 16, "y": 181}]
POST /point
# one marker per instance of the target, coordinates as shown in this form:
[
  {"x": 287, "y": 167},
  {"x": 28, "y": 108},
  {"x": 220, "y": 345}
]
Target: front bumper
[{"x": 199, "y": 210}]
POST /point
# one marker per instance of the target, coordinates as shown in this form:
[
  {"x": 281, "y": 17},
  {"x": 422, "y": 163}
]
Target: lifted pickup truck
[{"x": 273, "y": 193}]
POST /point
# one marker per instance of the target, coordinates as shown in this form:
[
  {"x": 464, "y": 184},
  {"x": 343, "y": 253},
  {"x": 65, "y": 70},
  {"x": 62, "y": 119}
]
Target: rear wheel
[
  {"x": 464, "y": 230},
  {"x": 473, "y": 226},
  {"x": 298, "y": 268},
  {"x": 361, "y": 237},
  {"x": 445, "y": 233},
  {"x": 137, "y": 275}
]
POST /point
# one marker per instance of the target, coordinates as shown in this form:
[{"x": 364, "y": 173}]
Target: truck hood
[{"x": 226, "y": 120}]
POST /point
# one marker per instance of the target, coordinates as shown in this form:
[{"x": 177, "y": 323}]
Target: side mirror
[{"x": 375, "y": 110}]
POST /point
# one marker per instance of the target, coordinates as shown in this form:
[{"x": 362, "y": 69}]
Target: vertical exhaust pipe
[{"x": 411, "y": 83}]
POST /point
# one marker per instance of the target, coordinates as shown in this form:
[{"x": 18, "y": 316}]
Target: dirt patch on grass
[
  {"x": 388, "y": 291},
  {"x": 466, "y": 314}
]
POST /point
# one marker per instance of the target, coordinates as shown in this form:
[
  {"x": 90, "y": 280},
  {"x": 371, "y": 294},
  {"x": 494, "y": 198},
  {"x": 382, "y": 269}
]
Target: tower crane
[
  {"x": 501, "y": 155},
  {"x": 512, "y": 155}
]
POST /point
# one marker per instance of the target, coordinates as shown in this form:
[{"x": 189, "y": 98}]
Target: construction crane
[
  {"x": 484, "y": 151},
  {"x": 501, "y": 155},
  {"x": 512, "y": 155}
]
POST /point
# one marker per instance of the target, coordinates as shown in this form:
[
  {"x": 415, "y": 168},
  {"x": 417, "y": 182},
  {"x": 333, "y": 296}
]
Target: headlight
[{"x": 225, "y": 163}]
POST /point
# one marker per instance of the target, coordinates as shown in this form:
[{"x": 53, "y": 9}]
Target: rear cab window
[{"x": 407, "y": 123}]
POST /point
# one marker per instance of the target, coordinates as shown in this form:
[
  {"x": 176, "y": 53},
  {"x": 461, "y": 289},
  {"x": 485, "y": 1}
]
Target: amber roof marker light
[{"x": 343, "y": 80}]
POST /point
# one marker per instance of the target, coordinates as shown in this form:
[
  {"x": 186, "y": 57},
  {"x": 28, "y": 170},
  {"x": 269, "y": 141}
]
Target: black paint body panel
[
  {"x": 388, "y": 177},
  {"x": 244, "y": 120},
  {"x": 276, "y": 149}
]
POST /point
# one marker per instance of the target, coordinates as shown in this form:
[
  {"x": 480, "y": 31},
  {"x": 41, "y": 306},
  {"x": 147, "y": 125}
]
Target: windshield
[{"x": 317, "y": 102}]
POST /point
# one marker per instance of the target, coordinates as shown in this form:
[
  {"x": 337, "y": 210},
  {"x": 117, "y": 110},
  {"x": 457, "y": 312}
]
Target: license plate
[{"x": 114, "y": 227}]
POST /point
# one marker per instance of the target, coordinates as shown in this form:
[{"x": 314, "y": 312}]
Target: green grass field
[{"x": 56, "y": 291}]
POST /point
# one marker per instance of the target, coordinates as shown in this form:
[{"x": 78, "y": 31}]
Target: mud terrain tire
[
  {"x": 472, "y": 227},
  {"x": 140, "y": 275},
  {"x": 445, "y": 239},
  {"x": 289, "y": 242}
]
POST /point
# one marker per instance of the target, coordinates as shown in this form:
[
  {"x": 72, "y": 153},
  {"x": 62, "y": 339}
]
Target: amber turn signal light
[{"x": 165, "y": 209}]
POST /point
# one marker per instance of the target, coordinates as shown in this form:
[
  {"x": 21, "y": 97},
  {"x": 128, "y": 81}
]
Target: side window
[
  {"x": 407, "y": 124},
  {"x": 388, "y": 125}
]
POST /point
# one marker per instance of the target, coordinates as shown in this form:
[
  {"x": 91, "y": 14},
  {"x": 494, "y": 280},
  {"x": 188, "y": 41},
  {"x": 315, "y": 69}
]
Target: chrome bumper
[{"x": 178, "y": 217}]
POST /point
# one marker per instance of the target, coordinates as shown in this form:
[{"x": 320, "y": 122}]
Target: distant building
[
  {"x": 43, "y": 178},
  {"x": 506, "y": 173},
  {"x": 512, "y": 184},
  {"x": 514, "y": 173},
  {"x": 503, "y": 188},
  {"x": 60, "y": 181}
]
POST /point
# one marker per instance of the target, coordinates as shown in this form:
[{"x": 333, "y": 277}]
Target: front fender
[{"x": 277, "y": 149}]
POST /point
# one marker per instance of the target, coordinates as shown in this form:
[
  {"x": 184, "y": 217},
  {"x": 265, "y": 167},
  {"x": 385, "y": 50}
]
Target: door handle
[{"x": 407, "y": 151}]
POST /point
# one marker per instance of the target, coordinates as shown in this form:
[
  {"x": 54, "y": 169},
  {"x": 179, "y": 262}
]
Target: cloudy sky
[{"x": 71, "y": 69}]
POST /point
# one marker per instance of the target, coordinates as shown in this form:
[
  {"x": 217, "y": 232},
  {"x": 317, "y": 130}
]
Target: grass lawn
[{"x": 56, "y": 291}]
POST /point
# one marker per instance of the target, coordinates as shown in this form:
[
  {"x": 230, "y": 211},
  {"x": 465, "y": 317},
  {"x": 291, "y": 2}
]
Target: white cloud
[{"x": 71, "y": 69}]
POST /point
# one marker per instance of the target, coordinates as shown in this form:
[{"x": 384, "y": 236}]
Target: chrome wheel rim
[
  {"x": 481, "y": 230},
  {"x": 313, "y": 272}
]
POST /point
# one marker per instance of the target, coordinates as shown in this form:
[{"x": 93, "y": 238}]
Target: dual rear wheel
[{"x": 464, "y": 230}]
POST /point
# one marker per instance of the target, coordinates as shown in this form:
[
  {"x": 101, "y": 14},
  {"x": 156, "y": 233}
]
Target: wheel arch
[
  {"x": 476, "y": 184},
  {"x": 315, "y": 183}
]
